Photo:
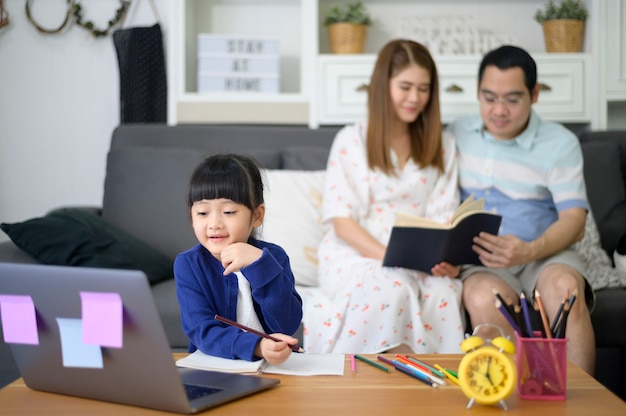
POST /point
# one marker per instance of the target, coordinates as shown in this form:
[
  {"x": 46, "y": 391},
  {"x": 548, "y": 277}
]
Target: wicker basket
[
  {"x": 347, "y": 37},
  {"x": 563, "y": 35}
]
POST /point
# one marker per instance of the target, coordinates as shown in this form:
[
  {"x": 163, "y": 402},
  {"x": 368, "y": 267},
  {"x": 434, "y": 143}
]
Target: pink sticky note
[
  {"x": 19, "y": 322},
  {"x": 102, "y": 318}
]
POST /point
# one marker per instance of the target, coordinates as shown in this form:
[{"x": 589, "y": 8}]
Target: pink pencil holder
[{"x": 541, "y": 368}]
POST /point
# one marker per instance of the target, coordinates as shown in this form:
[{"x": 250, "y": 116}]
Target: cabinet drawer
[
  {"x": 457, "y": 87},
  {"x": 562, "y": 90},
  {"x": 343, "y": 89}
]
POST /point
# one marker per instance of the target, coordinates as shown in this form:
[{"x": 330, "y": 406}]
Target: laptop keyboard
[{"x": 195, "y": 391}]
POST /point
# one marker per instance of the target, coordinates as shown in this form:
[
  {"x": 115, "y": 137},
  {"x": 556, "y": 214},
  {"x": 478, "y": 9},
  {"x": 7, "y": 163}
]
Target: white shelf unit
[
  {"x": 577, "y": 95},
  {"x": 287, "y": 20},
  {"x": 616, "y": 50}
]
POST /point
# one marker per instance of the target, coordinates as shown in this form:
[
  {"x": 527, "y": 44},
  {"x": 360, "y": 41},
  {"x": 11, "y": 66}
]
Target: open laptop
[{"x": 138, "y": 371}]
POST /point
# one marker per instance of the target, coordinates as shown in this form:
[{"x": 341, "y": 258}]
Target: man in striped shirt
[{"x": 531, "y": 172}]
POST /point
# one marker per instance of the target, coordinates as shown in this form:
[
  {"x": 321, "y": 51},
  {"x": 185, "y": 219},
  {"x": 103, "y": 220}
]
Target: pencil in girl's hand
[{"x": 294, "y": 348}]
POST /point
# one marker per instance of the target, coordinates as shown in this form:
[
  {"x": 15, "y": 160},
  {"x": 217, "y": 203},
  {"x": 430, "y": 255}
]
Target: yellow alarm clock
[{"x": 487, "y": 373}]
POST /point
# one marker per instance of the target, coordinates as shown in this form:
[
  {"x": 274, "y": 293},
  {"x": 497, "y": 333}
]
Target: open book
[
  {"x": 419, "y": 243},
  {"x": 296, "y": 364}
]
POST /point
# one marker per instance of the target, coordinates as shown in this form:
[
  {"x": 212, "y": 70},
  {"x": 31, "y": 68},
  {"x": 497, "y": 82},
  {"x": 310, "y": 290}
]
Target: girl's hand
[
  {"x": 446, "y": 269},
  {"x": 239, "y": 255},
  {"x": 275, "y": 352}
]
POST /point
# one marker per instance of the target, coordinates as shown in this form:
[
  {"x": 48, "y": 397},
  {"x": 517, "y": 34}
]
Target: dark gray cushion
[
  {"x": 75, "y": 237},
  {"x": 305, "y": 158},
  {"x": 143, "y": 179},
  {"x": 606, "y": 190}
]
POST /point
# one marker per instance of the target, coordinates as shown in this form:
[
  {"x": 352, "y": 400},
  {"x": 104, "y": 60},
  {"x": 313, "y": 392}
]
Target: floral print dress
[{"x": 364, "y": 307}]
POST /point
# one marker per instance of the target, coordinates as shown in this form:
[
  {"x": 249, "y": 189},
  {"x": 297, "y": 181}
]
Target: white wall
[{"x": 59, "y": 103}]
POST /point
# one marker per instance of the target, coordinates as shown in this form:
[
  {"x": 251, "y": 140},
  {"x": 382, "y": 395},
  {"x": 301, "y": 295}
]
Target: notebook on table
[{"x": 96, "y": 333}]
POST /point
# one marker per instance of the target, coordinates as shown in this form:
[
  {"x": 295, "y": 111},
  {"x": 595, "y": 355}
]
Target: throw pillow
[
  {"x": 293, "y": 201},
  {"x": 600, "y": 273},
  {"x": 75, "y": 237}
]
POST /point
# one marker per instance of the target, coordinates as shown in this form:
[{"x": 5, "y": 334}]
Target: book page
[
  {"x": 202, "y": 361},
  {"x": 296, "y": 364},
  {"x": 467, "y": 207},
  {"x": 309, "y": 365},
  {"x": 408, "y": 220}
]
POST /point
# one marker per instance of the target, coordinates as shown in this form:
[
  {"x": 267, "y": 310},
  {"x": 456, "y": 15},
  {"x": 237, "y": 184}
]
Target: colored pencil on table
[
  {"x": 433, "y": 370},
  {"x": 416, "y": 375},
  {"x": 419, "y": 369},
  {"x": 353, "y": 363},
  {"x": 402, "y": 368},
  {"x": 448, "y": 374},
  {"x": 295, "y": 348},
  {"x": 372, "y": 363}
]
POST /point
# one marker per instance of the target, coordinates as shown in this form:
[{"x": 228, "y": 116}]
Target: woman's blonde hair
[{"x": 425, "y": 131}]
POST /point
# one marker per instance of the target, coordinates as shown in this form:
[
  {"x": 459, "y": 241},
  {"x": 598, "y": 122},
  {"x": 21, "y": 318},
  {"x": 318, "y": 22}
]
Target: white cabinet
[
  {"x": 616, "y": 50},
  {"x": 343, "y": 87},
  {"x": 317, "y": 88}
]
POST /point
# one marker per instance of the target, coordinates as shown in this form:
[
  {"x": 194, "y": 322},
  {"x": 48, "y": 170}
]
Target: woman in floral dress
[{"x": 399, "y": 161}]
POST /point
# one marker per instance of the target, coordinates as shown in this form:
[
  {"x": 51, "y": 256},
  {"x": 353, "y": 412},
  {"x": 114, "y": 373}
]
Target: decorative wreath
[
  {"x": 4, "y": 16},
  {"x": 75, "y": 10}
]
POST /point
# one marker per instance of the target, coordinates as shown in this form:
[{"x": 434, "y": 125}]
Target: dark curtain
[{"x": 143, "y": 86}]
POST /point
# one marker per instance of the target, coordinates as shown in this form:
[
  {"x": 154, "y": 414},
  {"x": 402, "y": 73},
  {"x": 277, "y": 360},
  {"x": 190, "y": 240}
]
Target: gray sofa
[{"x": 148, "y": 167}]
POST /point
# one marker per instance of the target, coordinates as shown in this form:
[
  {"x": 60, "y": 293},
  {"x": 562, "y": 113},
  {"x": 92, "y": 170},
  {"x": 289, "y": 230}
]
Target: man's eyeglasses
[{"x": 511, "y": 102}]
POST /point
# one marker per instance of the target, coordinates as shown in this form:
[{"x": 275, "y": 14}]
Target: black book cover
[{"x": 421, "y": 248}]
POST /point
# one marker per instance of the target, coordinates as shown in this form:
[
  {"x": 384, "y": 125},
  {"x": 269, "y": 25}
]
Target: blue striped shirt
[{"x": 528, "y": 179}]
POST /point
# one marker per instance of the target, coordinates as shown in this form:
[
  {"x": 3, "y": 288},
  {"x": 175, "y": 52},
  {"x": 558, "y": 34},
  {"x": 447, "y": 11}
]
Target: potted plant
[
  {"x": 347, "y": 27},
  {"x": 563, "y": 25}
]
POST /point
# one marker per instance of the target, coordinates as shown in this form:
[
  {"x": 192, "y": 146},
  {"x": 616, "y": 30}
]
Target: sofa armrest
[{"x": 10, "y": 253}]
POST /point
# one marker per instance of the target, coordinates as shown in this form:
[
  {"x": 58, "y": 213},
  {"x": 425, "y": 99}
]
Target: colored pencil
[
  {"x": 435, "y": 371},
  {"x": 509, "y": 307},
  {"x": 419, "y": 369},
  {"x": 372, "y": 363},
  {"x": 527, "y": 321},
  {"x": 419, "y": 376},
  {"x": 353, "y": 363},
  {"x": 542, "y": 313},
  {"x": 507, "y": 316},
  {"x": 295, "y": 348},
  {"x": 557, "y": 317},
  {"x": 400, "y": 367},
  {"x": 448, "y": 374}
]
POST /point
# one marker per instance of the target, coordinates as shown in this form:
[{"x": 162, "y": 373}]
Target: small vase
[
  {"x": 563, "y": 35},
  {"x": 347, "y": 37}
]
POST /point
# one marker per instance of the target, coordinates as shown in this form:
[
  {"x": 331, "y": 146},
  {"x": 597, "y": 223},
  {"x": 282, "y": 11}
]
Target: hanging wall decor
[
  {"x": 4, "y": 16},
  {"x": 75, "y": 11},
  {"x": 41, "y": 29}
]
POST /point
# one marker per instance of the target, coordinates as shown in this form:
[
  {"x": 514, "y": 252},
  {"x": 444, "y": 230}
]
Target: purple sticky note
[
  {"x": 102, "y": 318},
  {"x": 74, "y": 351},
  {"x": 19, "y": 322}
]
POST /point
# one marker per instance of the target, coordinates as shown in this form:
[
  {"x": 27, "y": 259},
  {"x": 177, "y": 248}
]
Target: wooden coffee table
[{"x": 368, "y": 392}]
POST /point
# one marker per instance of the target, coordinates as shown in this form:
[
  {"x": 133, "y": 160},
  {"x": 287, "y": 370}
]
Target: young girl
[
  {"x": 397, "y": 161},
  {"x": 230, "y": 273}
]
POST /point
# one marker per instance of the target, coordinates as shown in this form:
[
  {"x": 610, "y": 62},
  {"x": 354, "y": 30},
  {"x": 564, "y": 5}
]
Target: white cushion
[{"x": 293, "y": 203}]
